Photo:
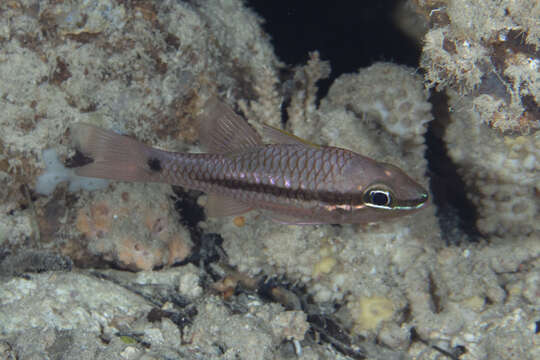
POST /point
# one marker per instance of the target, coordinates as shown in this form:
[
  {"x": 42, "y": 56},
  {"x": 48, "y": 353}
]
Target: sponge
[{"x": 55, "y": 173}]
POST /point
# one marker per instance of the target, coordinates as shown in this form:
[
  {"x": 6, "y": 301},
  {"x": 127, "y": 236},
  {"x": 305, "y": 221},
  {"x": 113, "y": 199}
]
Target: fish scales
[
  {"x": 277, "y": 173},
  {"x": 292, "y": 180}
]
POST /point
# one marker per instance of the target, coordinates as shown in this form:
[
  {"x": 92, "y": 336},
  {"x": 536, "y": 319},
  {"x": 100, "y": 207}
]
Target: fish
[{"x": 289, "y": 179}]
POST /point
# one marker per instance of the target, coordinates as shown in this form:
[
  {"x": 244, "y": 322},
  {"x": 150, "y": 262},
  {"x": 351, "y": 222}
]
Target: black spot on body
[
  {"x": 79, "y": 159},
  {"x": 154, "y": 164}
]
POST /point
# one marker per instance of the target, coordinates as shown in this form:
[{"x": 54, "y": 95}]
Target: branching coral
[{"x": 304, "y": 94}]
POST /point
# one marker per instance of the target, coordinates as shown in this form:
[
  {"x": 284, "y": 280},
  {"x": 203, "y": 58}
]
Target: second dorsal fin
[
  {"x": 221, "y": 130},
  {"x": 279, "y": 136}
]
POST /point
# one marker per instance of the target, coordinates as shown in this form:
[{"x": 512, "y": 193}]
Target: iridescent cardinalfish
[{"x": 292, "y": 180}]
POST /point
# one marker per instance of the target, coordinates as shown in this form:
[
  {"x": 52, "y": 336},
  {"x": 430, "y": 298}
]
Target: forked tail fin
[{"x": 115, "y": 156}]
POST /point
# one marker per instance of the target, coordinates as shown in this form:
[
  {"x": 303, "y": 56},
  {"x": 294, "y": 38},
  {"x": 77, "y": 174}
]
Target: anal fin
[
  {"x": 219, "y": 205},
  {"x": 287, "y": 219}
]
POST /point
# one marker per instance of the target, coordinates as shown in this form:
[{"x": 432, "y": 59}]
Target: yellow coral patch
[
  {"x": 369, "y": 312},
  {"x": 475, "y": 303},
  {"x": 324, "y": 266}
]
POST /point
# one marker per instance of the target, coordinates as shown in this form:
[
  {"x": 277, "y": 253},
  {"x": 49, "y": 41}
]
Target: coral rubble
[{"x": 182, "y": 286}]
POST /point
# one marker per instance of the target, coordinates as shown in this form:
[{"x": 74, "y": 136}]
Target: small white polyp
[{"x": 55, "y": 173}]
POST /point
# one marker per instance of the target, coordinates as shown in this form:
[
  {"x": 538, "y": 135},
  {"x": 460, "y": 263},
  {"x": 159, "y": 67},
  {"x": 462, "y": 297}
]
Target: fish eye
[{"x": 378, "y": 198}]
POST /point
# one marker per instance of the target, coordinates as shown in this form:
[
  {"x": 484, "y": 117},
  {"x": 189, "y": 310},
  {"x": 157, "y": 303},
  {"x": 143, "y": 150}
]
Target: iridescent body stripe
[
  {"x": 273, "y": 175},
  {"x": 296, "y": 181}
]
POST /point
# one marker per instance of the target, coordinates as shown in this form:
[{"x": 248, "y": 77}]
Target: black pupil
[{"x": 379, "y": 198}]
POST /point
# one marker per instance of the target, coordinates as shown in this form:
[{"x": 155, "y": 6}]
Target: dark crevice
[
  {"x": 286, "y": 80},
  {"x": 456, "y": 214},
  {"x": 531, "y": 107},
  {"x": 207, "y": 247},
  {"x": 284, "y": 113},
  {"x": 325, "y": 327},
  {"x": 433, "y": 293},
  {"x": 330, "y": 331},
  {"x": 32, "y": 261},
  {"x": 453, "y": 353},
  {"x": 180, "y": 318}
]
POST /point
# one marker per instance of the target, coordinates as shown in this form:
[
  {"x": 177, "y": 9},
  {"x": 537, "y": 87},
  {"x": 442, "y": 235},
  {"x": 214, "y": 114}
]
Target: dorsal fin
[
  {"x": 221, "y": 130},
  {"x": 279, "y": 136}
]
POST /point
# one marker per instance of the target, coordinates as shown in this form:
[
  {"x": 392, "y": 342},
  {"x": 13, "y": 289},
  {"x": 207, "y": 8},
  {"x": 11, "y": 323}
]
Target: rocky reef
[
  {"x": 136, "y": 271},
  {"x": 486, "y": 57}
]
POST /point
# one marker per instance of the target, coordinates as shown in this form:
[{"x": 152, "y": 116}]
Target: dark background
[{"x": 351, "y": 34}]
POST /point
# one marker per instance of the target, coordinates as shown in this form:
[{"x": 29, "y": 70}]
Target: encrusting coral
[
  {"x": 133, "y": 231},
  {"x": 486, "y": 56},
  {"x": 137, "y": 68},
  {"x": 490, "y": 51},
  {"x": 502, "y": 172},
  {"x": 142, "y": 68}
]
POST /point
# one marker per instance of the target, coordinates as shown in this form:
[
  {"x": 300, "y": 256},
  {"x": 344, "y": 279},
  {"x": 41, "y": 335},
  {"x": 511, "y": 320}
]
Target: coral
[
  {"x": 131, "y": 228},
  {"x": 145, "y": 69},
  {"x": 447, "y": 295},
  {"x": 382, "y": 112},
  {"x": 501, "y": 172},
  {"x": 387, "y": 105},
  {"x": 467, "y": 289},
  {"x": 214, "y": 324},
  {"x": 369, "y": 312},
  {"x": 304, "y": 89},
  {"x": 267, "y": 107},
  {"x": 324, "y": 266},
  {"x": 16, "y": 227},
  {"x": 488, "y": 50},
  {"x": 57, "y": 298},
  {"x": 141, "y": 69},
  {"x": 409, "y": 21},
  {"x": 290, "y": 325}
]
